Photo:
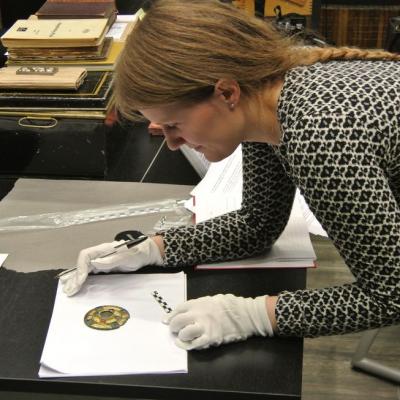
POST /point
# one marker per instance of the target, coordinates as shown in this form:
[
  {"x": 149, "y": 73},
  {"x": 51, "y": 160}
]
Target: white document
[
  {"x": 142, "y": 345},
  {"x": 196, "y": 159},
  {"x": 122, "y": 26},
  {"x": 312, "y": 223},
  {"x": 127, "y": 17},
  {"x": 117, "y": 29},
  {"x": 292, "y": 249},
  {"x": 222, "y": 177},
  {"x": 2, "y": 258},
  {"x": 220, "y": 191}
]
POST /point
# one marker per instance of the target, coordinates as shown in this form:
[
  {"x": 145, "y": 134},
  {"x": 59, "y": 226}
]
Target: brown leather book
[{"x": 78, "y": 9}]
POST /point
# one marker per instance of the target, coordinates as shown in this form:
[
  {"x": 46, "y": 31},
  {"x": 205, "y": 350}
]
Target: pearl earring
[{"x": 231, "y": 106}]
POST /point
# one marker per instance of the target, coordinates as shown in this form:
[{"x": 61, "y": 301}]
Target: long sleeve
[
  {"x": 267, "y": 200},
  {"x": 347, "y": 168}
]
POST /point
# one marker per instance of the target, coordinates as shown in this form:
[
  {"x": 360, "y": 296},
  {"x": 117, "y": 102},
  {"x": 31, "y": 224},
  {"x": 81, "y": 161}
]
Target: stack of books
[
  {"x": 56, "y": 97},
  {"x": 61, "y": 59},
  {"x": 65, "y": 33},
  {"x": 94, "y": 92},
  {"x": 37, "y": 50}
]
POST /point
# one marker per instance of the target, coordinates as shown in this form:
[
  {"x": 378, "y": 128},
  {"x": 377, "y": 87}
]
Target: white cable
[{"x": 152, "y": 161}]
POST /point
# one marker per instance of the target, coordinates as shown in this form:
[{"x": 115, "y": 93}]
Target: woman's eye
[{"x": 170, "y": 127}]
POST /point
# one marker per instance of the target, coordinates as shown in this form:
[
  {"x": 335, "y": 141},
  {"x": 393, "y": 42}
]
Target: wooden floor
[{"x": 327, "y": 373}]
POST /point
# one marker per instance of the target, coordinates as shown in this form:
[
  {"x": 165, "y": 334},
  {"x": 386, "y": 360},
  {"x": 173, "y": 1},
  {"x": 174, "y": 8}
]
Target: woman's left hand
[{"x": 214, "y": 320}]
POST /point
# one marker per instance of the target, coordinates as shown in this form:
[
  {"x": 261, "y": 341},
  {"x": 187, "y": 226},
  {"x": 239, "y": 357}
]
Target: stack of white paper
[
  {"x": 142, "y": 345},
  {"x": 220, "y": 191},
  {"x": 2, "y": 258}
]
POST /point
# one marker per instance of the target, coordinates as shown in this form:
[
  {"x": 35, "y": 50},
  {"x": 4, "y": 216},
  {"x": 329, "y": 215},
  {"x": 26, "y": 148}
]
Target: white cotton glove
[
  {"x": 211, "y": 321},
  {"x": 124, "y": 259}
]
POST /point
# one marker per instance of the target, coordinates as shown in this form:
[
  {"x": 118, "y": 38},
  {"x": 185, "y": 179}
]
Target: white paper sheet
[
  {"x": 143, "y": 345},
  {"x": 220, "y": 191},
  {"x": 197, "y": 160},
  {"x": 313, "y": 224},
  {"x": 117, "y": 29},
  {"x": 2, "y": 258},
  {"x": 222, "y": 177}
]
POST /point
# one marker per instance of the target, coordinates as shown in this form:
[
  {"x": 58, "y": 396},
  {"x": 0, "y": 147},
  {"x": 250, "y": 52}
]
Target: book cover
[
  {"x": 55, "y": 33},
  {"x": 42, "y": 77},
  {"x": 48, "y": 54},
  {"x": 95, "y": 93},
  {"x": 107, "y": 64}
]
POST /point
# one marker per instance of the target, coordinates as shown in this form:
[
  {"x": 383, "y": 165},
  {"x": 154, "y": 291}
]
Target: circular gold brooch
[{"x": 106, "y": 317}]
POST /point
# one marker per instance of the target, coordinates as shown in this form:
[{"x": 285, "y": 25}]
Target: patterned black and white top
[{"x": 341, "y": 147}]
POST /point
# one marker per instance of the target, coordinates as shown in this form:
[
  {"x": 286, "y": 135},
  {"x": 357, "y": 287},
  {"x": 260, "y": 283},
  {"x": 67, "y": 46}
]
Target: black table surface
[{"x": 256, "y": 368}]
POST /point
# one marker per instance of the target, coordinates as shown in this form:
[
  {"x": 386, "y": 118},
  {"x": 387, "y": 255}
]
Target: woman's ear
[{"x": 228, "y": 90}]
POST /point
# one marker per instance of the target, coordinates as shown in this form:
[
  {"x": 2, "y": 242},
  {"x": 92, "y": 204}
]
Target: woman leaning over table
[{"x": 325, "y": 120}]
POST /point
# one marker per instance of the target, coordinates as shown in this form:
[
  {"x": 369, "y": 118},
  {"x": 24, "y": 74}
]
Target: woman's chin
[{"x": 214, "y": 157}]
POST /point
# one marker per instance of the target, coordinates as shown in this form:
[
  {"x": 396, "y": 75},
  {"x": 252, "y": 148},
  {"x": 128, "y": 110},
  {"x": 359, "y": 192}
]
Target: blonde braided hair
[
  {"x": 324, "y": 54},
  {"x": 179, "y": 50}
]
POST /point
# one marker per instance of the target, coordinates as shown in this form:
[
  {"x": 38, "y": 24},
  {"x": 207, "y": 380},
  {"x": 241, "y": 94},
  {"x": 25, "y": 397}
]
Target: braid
[
  {"x": 323, "y": 54},
  {"x": 209, "y": 40}
]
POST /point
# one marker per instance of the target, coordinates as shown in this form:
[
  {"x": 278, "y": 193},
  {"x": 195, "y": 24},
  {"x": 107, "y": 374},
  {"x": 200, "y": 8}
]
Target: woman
[{"x": 324, "y": 120}]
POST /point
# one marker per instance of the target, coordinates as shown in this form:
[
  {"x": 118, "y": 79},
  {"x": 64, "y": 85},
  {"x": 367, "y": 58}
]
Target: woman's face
[{"x": 210, "y": 127}]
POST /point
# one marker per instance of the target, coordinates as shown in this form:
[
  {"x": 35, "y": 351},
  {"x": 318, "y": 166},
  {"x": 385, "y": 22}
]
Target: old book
[
  {"x": 41, "y": 77},
  {"x": 73, "y": 9},
  {"x": 47, "y": 54},
  {"x": 94, "y": 94},
  {"x": 77, "y": 9},
  {"x": 56, "y": 33},
  {"x": 107, "y": 64}
]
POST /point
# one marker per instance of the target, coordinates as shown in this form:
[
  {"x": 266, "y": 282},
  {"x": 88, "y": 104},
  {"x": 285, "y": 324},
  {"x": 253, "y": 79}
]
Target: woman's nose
[
  {"x": 174, "y": 142},
  {"x": 155, "y": 129}
]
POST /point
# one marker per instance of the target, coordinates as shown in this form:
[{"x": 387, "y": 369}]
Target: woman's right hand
[{"x": 123, "y": 259}]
